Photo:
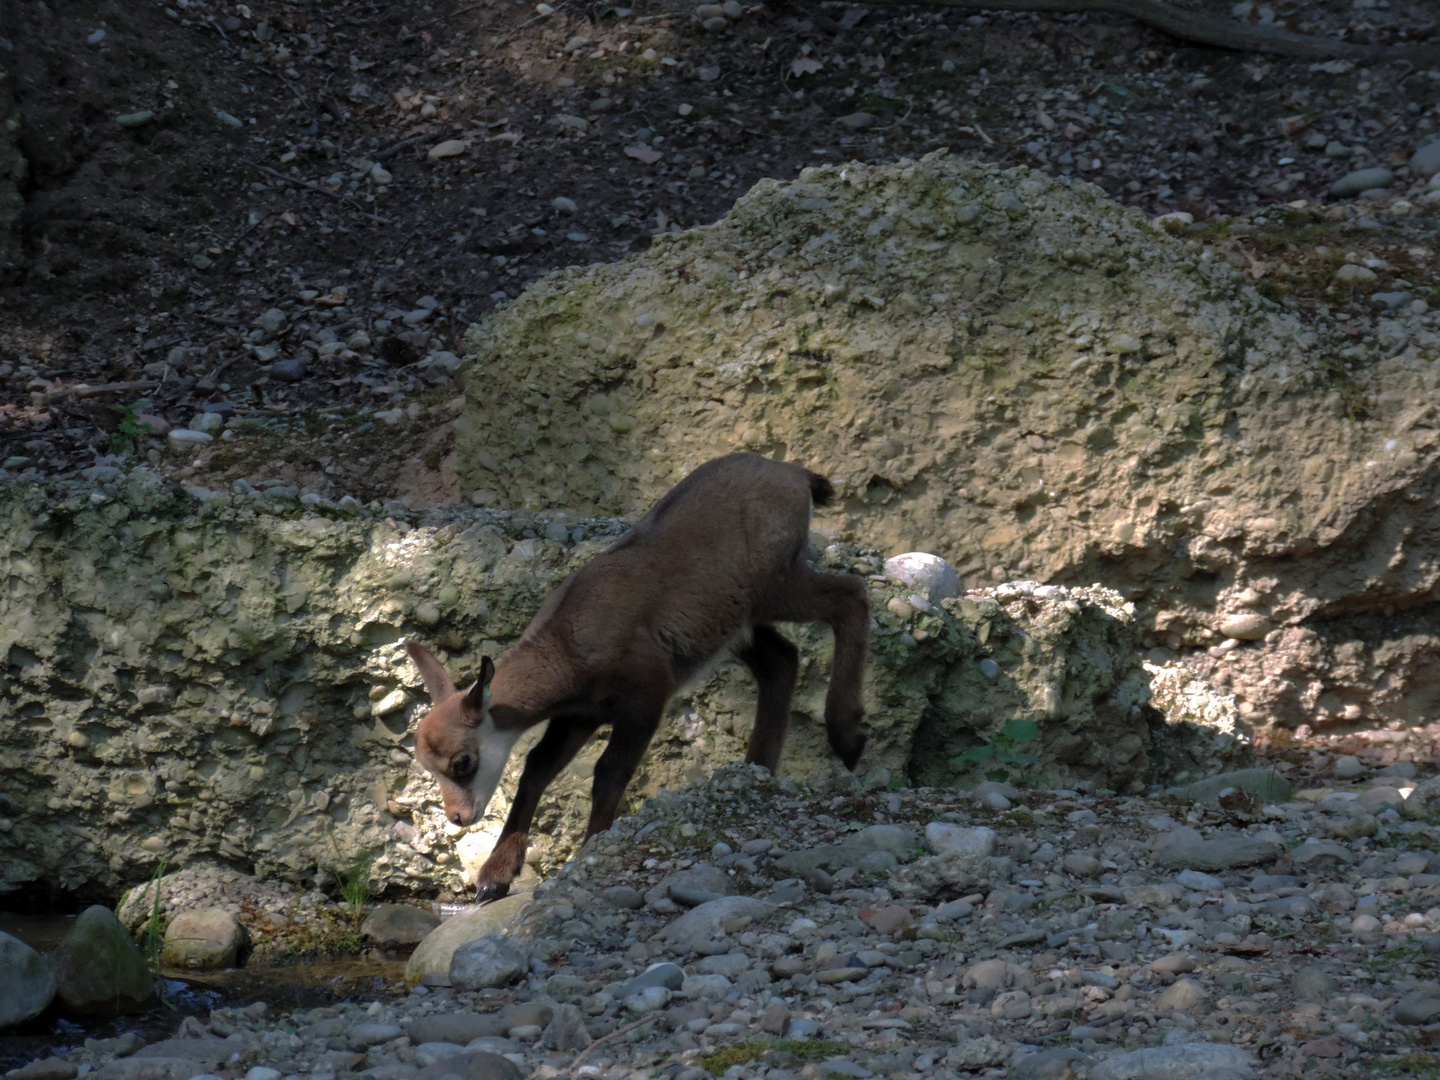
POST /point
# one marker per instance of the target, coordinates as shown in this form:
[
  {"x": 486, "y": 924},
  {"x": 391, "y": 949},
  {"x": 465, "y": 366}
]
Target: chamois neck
[{"x": 531, "y": 679}]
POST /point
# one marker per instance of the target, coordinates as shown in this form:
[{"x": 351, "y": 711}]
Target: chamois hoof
[
  {"x": 491, "y": 891},
  {"x": 851, "y": 757}
]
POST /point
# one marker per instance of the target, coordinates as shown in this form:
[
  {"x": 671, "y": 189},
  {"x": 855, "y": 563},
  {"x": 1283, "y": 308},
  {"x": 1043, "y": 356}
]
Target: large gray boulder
[
  {"x": 98, "y": 969},
  {"x": 244, "y": 649},
  {"x": 1014, "y": 372},
  {"x": 28, "y": 985}
]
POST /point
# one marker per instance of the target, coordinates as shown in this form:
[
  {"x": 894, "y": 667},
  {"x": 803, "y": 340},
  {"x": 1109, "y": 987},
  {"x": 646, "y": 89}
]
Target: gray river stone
[
  {"x": 430, "y": 962},
  {"x": 473, "y": 1065},
  {"x": 1185, "y": 1062},
  {"x": 1425, "y": 162},
  {"x": 489, "y": 961},
  {"x": 1217, "y": 853},
  {"x": 1420, "y": 1006},
  {"x": 1354, "y": 183},
  {"x": 98, "y": 969},
  {"x": 1265, "y": 784},
  {"x": 701, "y": 925},
  {"x": 670, "y": 976},
  {"x": 28, "y": 985},
  {"x": 459, "y": 1028}
]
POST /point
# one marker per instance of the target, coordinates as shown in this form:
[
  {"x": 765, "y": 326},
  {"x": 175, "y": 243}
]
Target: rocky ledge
[{"x": 757, "y": 928}]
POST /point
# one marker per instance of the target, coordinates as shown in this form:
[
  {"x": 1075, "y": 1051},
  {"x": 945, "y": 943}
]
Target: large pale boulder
[
  {"x": 98, "y": 969},
  {"x": 1016, "y": 373},
  {"x": 204, "y": 939},
  {"x": 430, "y": 962}
]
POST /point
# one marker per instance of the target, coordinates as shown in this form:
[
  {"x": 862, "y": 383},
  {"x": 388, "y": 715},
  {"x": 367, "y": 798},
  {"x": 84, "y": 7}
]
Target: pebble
[
  {"x": 447, "y": 149},
  {"x": 135, "y": 119},
  {"x": 183, "y": 440},
  {"x": 1354, "y": 183},
  {"x": 857, "y": 121},
  {"x": 289, "y": 371},
  {"x": 1348, "y": 767}
]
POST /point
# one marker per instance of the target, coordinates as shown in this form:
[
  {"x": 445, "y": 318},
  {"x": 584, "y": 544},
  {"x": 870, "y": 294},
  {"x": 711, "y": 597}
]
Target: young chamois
[{"x": 711, "y": 567}]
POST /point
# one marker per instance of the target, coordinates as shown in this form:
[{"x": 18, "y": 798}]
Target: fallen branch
[
  {"x": 96, "y": 391},
  {"x": 1202, "y": 29},
  {"x": 580, "y": 1057}
]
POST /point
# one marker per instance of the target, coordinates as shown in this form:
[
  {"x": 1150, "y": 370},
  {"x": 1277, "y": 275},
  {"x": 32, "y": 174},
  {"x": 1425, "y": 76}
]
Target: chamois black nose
[{"x": 457, "y": 818}]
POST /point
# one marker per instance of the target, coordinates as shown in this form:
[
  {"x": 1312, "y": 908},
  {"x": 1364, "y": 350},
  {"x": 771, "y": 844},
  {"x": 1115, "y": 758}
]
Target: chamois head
[{"x": 458, "y": 743}]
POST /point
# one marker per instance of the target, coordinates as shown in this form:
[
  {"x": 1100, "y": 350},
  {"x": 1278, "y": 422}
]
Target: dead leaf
[
  {"x": 640, "y": 152},
  {"x": 805, "y": 65}
]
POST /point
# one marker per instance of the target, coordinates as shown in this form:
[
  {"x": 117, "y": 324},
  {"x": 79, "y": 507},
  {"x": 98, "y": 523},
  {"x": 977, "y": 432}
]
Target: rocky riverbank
[{"x": 754, "y": 928}]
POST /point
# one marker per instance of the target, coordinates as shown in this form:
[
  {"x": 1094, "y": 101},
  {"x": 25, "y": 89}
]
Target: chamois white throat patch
[{"x": 495, "y": 748}]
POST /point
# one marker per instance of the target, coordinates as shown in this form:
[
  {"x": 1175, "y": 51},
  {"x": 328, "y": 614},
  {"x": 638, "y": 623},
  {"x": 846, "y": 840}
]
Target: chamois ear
[
  {"x": 480, "y": 692},
  {"x": 432, "y": 672}
]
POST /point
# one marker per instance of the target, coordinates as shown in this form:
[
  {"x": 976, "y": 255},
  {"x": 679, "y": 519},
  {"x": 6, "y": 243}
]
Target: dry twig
[{"x": 580, "y": 1057}]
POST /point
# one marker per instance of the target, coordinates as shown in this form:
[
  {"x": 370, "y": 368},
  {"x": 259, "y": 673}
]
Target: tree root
[{"x": 1202, "y": 29}]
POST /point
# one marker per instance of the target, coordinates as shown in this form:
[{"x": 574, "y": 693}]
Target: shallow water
[{"x": 293, "y": 985}]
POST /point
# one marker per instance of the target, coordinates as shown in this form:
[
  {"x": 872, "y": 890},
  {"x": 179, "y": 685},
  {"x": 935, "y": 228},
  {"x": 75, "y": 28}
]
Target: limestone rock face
[
  {"x": 220, "y": 679},
  {"x": 1019, "y": 375}
]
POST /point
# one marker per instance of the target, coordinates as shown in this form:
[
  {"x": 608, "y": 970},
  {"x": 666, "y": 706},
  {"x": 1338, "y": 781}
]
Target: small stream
[{"x": 293, "y": 985}]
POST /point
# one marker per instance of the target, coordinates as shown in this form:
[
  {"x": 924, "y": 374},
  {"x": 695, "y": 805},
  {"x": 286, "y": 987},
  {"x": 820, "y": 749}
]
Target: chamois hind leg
[
  {"x": 774, "y": 662},
  {"x": 633, "y": 725},
  {"x": 563, "y": 738},
  {"x": 838, "y": 600}
]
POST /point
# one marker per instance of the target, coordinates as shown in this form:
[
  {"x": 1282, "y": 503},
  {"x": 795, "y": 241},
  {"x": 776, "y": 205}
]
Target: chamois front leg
[
  {"x": 563, "y": 738},
  {"x": 633, "y": 725}
]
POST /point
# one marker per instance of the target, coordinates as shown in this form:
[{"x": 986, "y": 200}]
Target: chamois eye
[{"x": 464, "y": 765}]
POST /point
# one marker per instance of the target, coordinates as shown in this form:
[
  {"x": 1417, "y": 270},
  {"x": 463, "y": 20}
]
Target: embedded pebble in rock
[{"x": 922, "y": 570}]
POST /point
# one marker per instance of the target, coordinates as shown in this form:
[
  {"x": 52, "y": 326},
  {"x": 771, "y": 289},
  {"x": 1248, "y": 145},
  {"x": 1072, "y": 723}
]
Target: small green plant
[
  {"x": 1002, "y": 749},
  {"x": 154, "y": 938},
  {"x": 804, "y": 1052},
  {"x": 127, "y": 435},
  {"x": 355, "y": 884}
]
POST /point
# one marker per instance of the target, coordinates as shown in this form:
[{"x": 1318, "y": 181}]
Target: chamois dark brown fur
[{"x": 712, "y": 566}]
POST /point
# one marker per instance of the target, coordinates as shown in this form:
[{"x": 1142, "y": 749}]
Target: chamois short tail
[{"x": 821, "y": 490}]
